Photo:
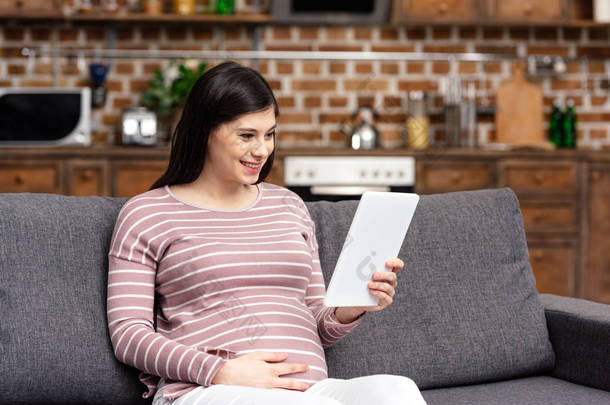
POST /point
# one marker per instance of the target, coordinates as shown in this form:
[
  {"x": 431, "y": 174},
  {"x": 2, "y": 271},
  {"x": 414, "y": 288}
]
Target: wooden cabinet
[
  {"x": 413, "y": 10},
  {"x": 442, "y": 175},
  {"x": 17, "y": 176},
  {"x": 596, "y": 280},
  {"x": 523, "y": 10},
  {"x": 564, "y": 195}
]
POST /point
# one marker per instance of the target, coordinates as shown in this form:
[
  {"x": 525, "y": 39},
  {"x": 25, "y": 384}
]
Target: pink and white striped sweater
[{"x": 226, "y": 283}]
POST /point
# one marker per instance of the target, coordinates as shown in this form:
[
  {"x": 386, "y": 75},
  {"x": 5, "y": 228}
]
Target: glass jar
[
  {"x": 152, "y": 7},
  {"x": 418, "y": 123},
  {"x": 184, "y": 7}
]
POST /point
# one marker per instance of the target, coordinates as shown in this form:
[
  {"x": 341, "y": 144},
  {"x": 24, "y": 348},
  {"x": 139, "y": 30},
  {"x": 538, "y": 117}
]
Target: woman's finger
[
  {"x": 387, "y": 276},
  {"x": 383, "y": 287}
]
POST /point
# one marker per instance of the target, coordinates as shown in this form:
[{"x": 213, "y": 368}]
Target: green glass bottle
[
  {"x": 569, "y": 126},
  {"x": 225, "y": 6},
  {"x": 556, "y": 125}
]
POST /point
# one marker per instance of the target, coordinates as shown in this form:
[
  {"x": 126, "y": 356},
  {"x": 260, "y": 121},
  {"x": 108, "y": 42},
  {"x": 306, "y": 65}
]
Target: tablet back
[{"x": 376, "y": 234}]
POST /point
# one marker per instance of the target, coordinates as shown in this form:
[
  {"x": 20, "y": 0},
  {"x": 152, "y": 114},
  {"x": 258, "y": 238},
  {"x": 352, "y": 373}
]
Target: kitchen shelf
[
  {"x": 140, "y": 17},
  {"x": 263, "y": 18}
]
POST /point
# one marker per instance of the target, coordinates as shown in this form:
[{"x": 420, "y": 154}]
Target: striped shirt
[{"x": 224, "y": 282}]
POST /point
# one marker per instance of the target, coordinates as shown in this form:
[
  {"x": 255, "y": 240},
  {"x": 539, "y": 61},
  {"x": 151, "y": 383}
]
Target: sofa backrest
[{"x": 466, "y": 308}]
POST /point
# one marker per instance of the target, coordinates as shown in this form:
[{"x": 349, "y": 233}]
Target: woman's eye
[
  {"x": 271, "y": 134},
  {"x": 247, "y": 136}
]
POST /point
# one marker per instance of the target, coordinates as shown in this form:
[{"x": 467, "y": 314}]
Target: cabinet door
[
  {"x": 132, "y": 178},
  {"x": 596, "y": 280},
  {"x": 529, "y": 177},
  {"x": 31, "y": 177},
  {"x": 436, "y": 176},
  {"x": 412, "y": 10},
  {"x": 554, "y": 266},
  {"x": 88, "y": 178},
  {"x": 530, "y": 10}
]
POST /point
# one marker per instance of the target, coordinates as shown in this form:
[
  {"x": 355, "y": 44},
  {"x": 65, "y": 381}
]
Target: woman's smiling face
[{"x": 237, "y": 150}]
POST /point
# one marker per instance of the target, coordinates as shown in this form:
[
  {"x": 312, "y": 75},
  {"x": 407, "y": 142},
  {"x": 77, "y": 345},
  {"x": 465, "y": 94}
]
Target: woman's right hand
[{"x": 253, "y": 370}]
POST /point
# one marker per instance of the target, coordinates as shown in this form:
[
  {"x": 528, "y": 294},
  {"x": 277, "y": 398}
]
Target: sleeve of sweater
[
  {"x": 130, "y": 309},
  {"x": 330, "y": 328}
]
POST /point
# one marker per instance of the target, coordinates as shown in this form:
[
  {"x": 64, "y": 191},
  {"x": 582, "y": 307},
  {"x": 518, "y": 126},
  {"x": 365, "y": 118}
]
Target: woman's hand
[
  {"x": 383, "y": 285},
  {"x": 253, "y": 370}
]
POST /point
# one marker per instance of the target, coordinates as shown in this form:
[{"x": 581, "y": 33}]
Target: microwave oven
[
  {"x": 45, "y": 116},
  {"x": 331, "y": 12}
]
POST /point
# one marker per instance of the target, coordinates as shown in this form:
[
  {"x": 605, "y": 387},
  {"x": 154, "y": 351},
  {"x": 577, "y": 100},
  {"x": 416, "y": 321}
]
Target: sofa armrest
[{"x": 580, "y": 333}]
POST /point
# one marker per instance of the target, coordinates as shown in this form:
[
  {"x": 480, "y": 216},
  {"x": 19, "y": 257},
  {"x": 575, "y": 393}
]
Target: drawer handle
[
  {"x": 596, "y": 175},
  {"x": 539, "y": 178},
  {"x": 538, "y": 216},
  {"x": 538, "y": 255},
  {"x": 443, "y": 8},
  {"x": 527, "y": 9},
  {"x": 19, "y": 180},
  {"x": 87, "y": 175},
  {"x": 455, "y": 178}
]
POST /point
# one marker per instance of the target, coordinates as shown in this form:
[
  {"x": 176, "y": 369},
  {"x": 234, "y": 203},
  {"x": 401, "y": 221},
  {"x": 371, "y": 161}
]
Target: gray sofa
[{"x": 467, "y": 324}]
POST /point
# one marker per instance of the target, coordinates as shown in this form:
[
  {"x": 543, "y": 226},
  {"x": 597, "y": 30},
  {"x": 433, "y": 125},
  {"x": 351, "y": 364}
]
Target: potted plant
[{"x": 167, "y": 92}]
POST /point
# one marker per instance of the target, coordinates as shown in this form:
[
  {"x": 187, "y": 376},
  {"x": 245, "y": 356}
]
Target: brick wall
[{"x": 315, "y": 96}]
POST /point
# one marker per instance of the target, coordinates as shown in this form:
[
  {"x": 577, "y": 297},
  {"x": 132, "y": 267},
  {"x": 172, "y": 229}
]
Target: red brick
[
  {"x": 467, "y": 32},
  {"x": 334, "y": 33},
  {"x": 308, "y": 32},
  {"x": 326, "y": 118},
  {"x": 14, "y": 34},
  {"x": 546, "y": 33},
  {"x": 124, "y": 34},
  {"x": 138, "y": 85},
  {"x": 493, "y": 32},
  {"x": 565, "y": 84},
  {"x": 114, "y": 85},
  {"x": 365, "y": 100},
  {"x": 233, "y": 33},
  {"x": 498, "y": 49},
  {"x": 314, "y": 85},
  {"x": 547, "y": 50},
  {"x": 68, "y": 34},
  {"x": 598, "y": 134},
  {"x": 518, "y": 32},
  {"x": 595, "y": 51},
  {"x": 596, "y": 67},
  {"x": 389, "y": 68},
  {"x": 123, "y": 68},
  {"x": 285, "y": 67},
  {"x": 337, "y": 101},
  {"x": 287, "y": 47},
  {"x": 341, "y": 48},
  {"x": 294, "y": 118},
  {"x": 363, "y": 33},
  {"x": 441, "y": 32},
  {"x": 467, "y": 67},
  {"x": 111, "y": 119},
  {"x": 287, "y": 135},
  {"x": 121, "y": 102},
  {"x": 203, "y": 33},
  {"x": 492, "y": 67},
  {"x": 572, "y": 34},
  {"x": 390, "y": 135},
  {"x": 365, "y": 85},
  {"x": 95, "y": 34},
  {"x": 405, "y": 85},
  {"x": 337, "y": 67},
  {"x": 364, "y": 67},
  {"x": 313, "y": 101},
  {"x": 598, "y": 100},
  {"x": 286, "y": 102},
  {"x": 176, "y": 33},
  {"x": 151, "y": 67},
  {"x": 36, "y": 83},
  {"x": 16, "y": 69},
  {"x": 593, "y": 117},
  {"x": 281, "y": 32},
  {"x": 312, "y": 68},
  {"x": 40, "y": 34},
  {"x": 392, "y": 118},
  {"x": 392, "y": 48},
  {"x": 440, "y": 67},
  {"x": 416, "y": 33},
  {"x": 598, "y": 33},
  {"x": 445, "y": 48},
  {"x": 390, "y": 34},
  {"x": 415, "y": 67},
  {"x": 392, "y": 102},
  {"x": 151, "y": 33}
]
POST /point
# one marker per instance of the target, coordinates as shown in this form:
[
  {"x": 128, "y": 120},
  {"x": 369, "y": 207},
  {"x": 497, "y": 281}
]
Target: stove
[{"x": 336, "y": 178}]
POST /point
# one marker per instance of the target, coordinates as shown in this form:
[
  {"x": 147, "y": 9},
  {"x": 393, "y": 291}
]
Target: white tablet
[{"x": 376, "y": 234}]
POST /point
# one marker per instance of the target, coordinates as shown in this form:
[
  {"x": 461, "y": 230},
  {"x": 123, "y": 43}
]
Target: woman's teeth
[{"x": 254, "y": 166}]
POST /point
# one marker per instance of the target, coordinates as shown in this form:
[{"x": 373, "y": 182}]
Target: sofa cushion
[
  {"x": 540, "y": 390},
  {"x": 466, "y": 308},
  {"x": 54, "y": 343}
]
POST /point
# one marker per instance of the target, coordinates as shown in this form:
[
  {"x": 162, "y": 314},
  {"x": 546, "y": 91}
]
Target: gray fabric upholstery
[
  {"x": 466, "y": 308},
  {"x": 531, "y": 391},
  {"x": 54, "y": 344},
  {"x": 580, "y": 334},
  {"x": 465, "y": 299}
]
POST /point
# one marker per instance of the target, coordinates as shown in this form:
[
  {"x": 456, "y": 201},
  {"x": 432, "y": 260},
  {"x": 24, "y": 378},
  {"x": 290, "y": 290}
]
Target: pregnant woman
[{"x": 230, "y": 263}]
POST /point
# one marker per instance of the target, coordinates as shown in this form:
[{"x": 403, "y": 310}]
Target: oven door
[{"x": 339, "y": 193}]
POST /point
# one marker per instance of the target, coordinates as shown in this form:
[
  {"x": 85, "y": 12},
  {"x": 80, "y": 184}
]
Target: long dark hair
[{"x": 220, "y": 95}]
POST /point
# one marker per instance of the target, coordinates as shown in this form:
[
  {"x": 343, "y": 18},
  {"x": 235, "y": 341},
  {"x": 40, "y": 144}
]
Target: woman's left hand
[{"x": 383, "y": 286}]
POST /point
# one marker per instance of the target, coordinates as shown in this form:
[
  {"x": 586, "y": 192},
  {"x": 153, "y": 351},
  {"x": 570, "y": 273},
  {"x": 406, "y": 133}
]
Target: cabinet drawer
[
  {"x": 539, "y": 177},
  {"x": 548, "y": 216},
  {"x": 434, "y": 9},
  {"x": 439, "y": 177},
  {"x": 88, "y": 178},
  {"x": 131, "y": 179},
  {"x": 40, "y": 178},
  {"x": 553, "y": 264},
  {"x": 530, "y": 9}
]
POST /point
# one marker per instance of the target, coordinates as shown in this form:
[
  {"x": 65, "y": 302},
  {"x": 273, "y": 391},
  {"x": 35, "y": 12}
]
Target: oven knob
[
  {"x": 297, "y": 173},
  {"x": 388, "y": 173},
  {"x": 401, "y": 173},
  {"x": 362, "y": 173},
  {"x": 311, "y": 173},
  {"x": 376, "y": 173}
]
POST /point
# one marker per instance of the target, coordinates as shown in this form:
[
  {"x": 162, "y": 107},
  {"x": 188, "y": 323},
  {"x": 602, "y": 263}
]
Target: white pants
[{"x": 377, "y": 389}]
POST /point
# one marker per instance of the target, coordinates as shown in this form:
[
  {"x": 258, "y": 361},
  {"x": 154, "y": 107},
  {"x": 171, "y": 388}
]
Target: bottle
[
  {"x": 418, "y": 123},
  {"x": 225, "y": 6},
  {"x": 556, "y": 125},
  {"x": 569, "y": 126}
]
